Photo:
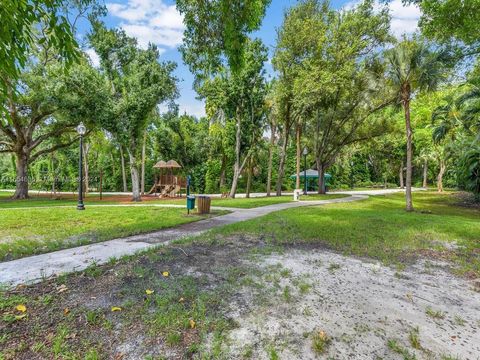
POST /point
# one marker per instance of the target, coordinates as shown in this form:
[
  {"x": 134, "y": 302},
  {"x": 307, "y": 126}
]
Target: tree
[
  {"x": 332, "y": 54},
  {"x": 469, "y": 168},
  {"x": 240, "y": 97},
  {"x": 448, "y": 20},
  {"x": 47, "y": 109},
  {"x": 412, "y": 67},
  {"x": 139, "y": 83},
  {"x": 217, "y": 30},
  {"x": 296, "y": 40},
  {"x": 215, "y": 40},
  {"x": 272, "y": 120},
  {"x": 26, "y": 24},
  {"x": 457, "y": 124}
]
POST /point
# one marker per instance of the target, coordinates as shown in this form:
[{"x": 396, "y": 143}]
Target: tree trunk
[
  {"x": 233, "y": 189},
  {"x": 440, "y": 176},
  {"x": 299, "y": 154},
  {"x": 114, "y": 169},
  {"x": 408, "y": 179},
  {"x": 270, "y": 160},
  {"x": 124, "y": 174},
  {"x": 142, "y": 185},
  {"x": 86, "y": 150},
  {"x": 21, "y": 182},
  {"x": 283, "y": 156},
  {"x": 400, "y": 176},
  {"x": 425, "y": 173},
  {"x": 223, "y": 172},
  {"x": 236, "y": 168},
  {"x": 52, "y": 167},
  {"x": 321, "y": 177},
  {"x": 249, "y": 179},
  {"x": 135, "y": 177}
]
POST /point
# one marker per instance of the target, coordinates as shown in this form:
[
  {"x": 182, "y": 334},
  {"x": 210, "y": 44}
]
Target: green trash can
[{"x": 190, "y": 202}]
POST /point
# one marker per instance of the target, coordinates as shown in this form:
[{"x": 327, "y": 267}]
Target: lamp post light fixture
[
  {"x": 305, "y": 153},
  {"x": 81, "y": 130}
]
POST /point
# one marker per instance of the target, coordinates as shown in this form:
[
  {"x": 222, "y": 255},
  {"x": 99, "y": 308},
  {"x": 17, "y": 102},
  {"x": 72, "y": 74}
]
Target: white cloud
[
  {"x": 190, "y": 106},
  {"x": 94, "y": 58},
  {"x": 150, "y": 21},
  {"x": 404, "y": 17},
  {"x": 196, "y": 108}
]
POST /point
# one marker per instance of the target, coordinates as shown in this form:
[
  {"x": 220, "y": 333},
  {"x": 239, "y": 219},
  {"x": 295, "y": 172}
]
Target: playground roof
[
  {"x": 311, "y": 174},
  {"x": 173, "y": 164},
  {"x": 160, "y": 164},
  {"x": 166, "y": 165}
]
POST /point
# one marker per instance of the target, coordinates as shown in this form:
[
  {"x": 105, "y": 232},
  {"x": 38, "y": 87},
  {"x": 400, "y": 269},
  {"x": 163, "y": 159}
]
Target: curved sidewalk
[{"x": 36, "y": 268}]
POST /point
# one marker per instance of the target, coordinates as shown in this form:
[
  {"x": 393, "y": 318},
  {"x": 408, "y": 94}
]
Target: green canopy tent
[{"x": 312, "y": 179}]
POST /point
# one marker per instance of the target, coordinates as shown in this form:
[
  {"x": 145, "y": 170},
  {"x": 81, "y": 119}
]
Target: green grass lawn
[
  {"x": 38, "y": 230},
  {"x": 183, "y": 312},
  {"x": 315, "y": 197},
  {"x": 254, "y": 202},
  {"x": 41, "y": 201},
  {"x": 69, "y": 200},
  {"x": 380, "y": 228}
]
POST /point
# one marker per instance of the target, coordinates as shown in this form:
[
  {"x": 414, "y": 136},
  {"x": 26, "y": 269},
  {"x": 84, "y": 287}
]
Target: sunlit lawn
[
  {"x": 248, "y": 203},
  {"x": 47, "y": 200},
  {"x": 380, "y": 228},
  {"x": 94, "y": 199},
  {"x": 38, "y": 230}
]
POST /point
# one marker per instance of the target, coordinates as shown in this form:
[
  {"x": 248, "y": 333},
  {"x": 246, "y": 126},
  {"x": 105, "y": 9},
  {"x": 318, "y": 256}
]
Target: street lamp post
[
  {"x": 305, "y": 153},
  {"x": 352, "y": 179},
  {"x": 81, "y": 129}
]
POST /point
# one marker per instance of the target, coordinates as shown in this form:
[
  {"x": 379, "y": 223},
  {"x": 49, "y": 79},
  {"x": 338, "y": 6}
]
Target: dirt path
[{"x": 40, "y": 267}]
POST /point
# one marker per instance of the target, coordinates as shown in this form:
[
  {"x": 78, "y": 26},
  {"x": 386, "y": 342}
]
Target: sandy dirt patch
[
  {"x": 367, "y": 311},
  {"x": 250, "y": 300}
]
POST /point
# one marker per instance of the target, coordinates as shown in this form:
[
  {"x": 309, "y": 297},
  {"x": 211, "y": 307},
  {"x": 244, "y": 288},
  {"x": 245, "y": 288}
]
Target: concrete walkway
[{"x": 40, "y": 267}]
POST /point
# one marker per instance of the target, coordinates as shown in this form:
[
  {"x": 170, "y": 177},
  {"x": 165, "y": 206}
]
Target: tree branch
[
  {"x": 7, "y": 131},
  {"x": 51, "y": 149},
  {"x": 36, "y": 119},
  {"x": 53, "y": 133}
]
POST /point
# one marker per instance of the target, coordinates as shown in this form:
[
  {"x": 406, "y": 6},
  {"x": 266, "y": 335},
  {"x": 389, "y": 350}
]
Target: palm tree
[
  {"x": 446, "y": 118},
  {"x": 411, "y": 67},
  {"x": 459, "y": 122}
]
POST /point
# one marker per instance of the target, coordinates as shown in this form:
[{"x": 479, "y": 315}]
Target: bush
[{"x": 469, "y": 169}]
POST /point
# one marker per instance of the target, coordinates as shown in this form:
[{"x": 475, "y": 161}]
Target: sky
[{"x": 158, "y": 21}]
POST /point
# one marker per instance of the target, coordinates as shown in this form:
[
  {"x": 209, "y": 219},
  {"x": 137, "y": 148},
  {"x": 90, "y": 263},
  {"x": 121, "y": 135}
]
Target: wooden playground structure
[{"x": 168, "y": 184}]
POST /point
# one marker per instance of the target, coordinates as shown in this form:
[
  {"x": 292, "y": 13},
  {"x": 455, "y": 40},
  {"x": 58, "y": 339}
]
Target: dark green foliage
[{"x": 216, "y": 30}]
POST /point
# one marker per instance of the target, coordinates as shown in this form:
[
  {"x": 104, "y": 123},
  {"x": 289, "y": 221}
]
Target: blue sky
[{"x": 158, "y": 21}]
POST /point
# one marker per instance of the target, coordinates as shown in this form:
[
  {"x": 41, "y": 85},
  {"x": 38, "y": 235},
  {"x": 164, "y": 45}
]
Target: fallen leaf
[
  {"x": 20, "y": 317},
  {"x": 192, "y": 324},
  {"x": 66, "y": 311},
  {"x": 181, "y": 300},
  {"x": 21, "y": 308},
  {"x": 409, "y": 297},
  {"x": 116, "y": 308},
  {"x": 61, "y": 288},
  {"x": 149, "y": 292},
  {"x": 323, "y": 335},
  {"x": 165, "y": 273}
]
